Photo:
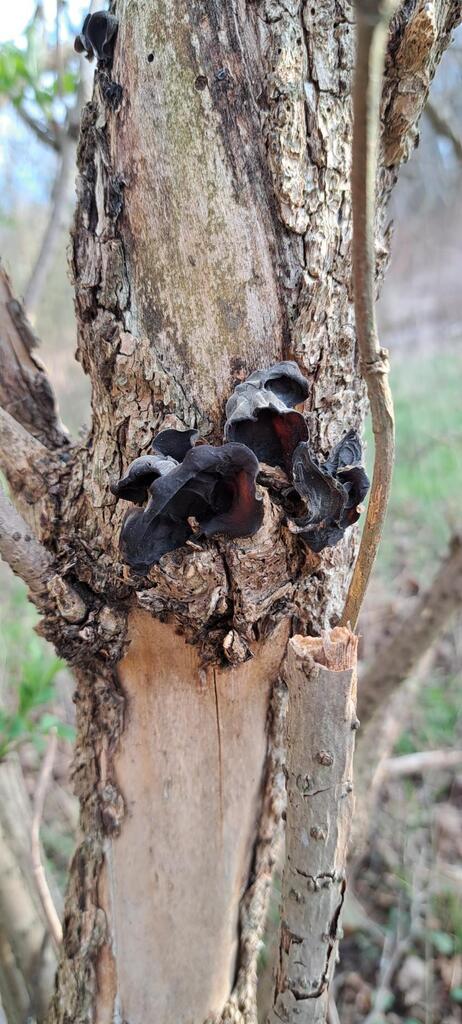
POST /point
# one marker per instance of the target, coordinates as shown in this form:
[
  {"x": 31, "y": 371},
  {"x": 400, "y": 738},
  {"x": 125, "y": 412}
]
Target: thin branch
[
  {"x": 25, "y": 390},
  {"x": 416, "y": 634},
  {"x": 46, "y": 899},
  {"x": 25, "y": 556},
  {"x": 443, "y": 127},
  {"x": 41, "y": 131},
  {"x": 23, "y": 927},
  {"x": 32, "y": 562},
  {"x": 54, "y": 229},
  {"x": 27, "y": 464},
  {"x": 372, "y": 26},
  {"x": 422, "y": 761}
]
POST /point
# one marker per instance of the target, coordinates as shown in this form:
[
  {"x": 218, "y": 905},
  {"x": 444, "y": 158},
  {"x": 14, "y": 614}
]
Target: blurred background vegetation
[{"x": 402, "y": 953}]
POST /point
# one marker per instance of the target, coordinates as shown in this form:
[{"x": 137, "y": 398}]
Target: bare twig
[
  {"x": 25, "y": 391},
  {"x": 46, "y": 900},
  {"x": 27, "y": 464},
  {"x": 415, "y": 636},
  {"x": 27, "y": 958},
  {"x": 32, "y": 562},
  {"x": 422, "y": 761},
  {"x": 41, "y": 131},
  {"x": 25, "y": 556},
  {"x": 56, "y": 224},
  {"x": 372, "y": 26},
  {"x": 443, "y": 127}
]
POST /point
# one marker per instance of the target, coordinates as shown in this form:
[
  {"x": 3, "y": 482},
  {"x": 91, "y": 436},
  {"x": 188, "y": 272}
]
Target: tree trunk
[{"x": 212, "y": 237}]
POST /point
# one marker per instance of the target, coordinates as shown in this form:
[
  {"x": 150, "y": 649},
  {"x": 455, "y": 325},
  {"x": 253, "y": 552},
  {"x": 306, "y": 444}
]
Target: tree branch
[
  {"x": 372, "y": 26},
  {"x": 443, "y": 127},
  {"x": 25, "y": 391},
  {"x": 55, "y": 226},
  {"x": 27, "y": 464},
  {"x": 421, "y": 761},
  {"x": 32, "y": 562},
  {"x": 42, "y": 133},
  {"x": 321, "y": 679},
  {"x": 46, "y": 899},
  {"x": 25, "y": 556}
]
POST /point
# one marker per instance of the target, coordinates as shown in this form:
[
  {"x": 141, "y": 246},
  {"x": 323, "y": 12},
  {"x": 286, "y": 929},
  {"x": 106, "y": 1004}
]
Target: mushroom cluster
[
  {"x": 97, "y": 37},
  {"x": 188, "y": 488}
]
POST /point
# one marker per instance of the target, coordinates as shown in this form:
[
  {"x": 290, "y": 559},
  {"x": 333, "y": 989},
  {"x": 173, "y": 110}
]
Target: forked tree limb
[
  {"x": 25, "y": 390},
  {"x": 443, "y": 126},
  {"x": 28, "y": 465},
  {"x": 372, "y": 26},
  {"x": 320, "y": 675}
]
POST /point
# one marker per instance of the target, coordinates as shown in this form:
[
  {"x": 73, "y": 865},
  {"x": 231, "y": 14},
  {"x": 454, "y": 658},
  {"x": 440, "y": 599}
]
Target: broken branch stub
[{"x": 320, "y": 675}]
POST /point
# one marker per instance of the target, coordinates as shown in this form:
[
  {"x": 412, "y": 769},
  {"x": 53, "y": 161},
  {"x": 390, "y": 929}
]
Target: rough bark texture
[
  {"x": 212, "y": 236},
  {"x": 320, "y": 675}
]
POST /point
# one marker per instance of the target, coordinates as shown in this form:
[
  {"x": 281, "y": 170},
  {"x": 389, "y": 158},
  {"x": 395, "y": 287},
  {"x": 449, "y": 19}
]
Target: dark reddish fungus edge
[
  {"x": 260, "y": 414},
  {"x": 333, "y": 491},
  {"x": 211, "y": 491}
]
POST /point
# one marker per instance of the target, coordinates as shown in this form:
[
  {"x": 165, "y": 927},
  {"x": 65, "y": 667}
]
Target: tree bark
[{"x": 212, "y": 237}]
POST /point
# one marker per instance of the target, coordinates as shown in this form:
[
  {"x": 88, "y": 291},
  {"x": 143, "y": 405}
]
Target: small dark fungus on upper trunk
[
  {"x": 260, "y": 414},
  {"x": 211, "y": 491},
  {"x": 98, "y": 36},
  {"x": 333, "y": 491}
]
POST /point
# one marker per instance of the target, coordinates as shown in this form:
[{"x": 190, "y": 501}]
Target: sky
[{"x": 16, "y": 15}]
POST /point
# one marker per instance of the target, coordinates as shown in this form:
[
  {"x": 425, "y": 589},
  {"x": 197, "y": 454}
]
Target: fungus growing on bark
[
  {"x": 141, "y": 473},
  {"x": 260, "y": 414},
  {"x": 211, "y": 491},
  {"x": 97, "y": 37},
  {"x": 332, "y": 490}
]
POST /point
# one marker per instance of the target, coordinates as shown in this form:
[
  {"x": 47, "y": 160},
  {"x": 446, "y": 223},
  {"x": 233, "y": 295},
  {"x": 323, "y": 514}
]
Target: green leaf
[{"x": 442, "y": 942}]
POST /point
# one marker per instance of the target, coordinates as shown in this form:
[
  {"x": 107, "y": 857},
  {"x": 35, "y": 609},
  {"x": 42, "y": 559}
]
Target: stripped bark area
[{"x": 320, "y": 675}]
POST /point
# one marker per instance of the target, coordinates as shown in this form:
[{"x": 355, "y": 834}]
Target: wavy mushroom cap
[
  {"x": 141, "y": 473},
  {"x": 211, "y": 491},
  {"x": 176, "y": 443},
  {"x": 333, "y": 491},
  {"x": 98, "y": 36}
]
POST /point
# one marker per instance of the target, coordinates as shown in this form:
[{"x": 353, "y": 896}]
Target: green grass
[
  {"x": 427, "y": 486},
  {"x": 28, "y": 671}
]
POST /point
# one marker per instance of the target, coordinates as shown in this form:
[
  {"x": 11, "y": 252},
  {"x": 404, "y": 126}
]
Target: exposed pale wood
[
  {"x": 320, "y": 674},
  {"x": 191, "y": 766}
]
